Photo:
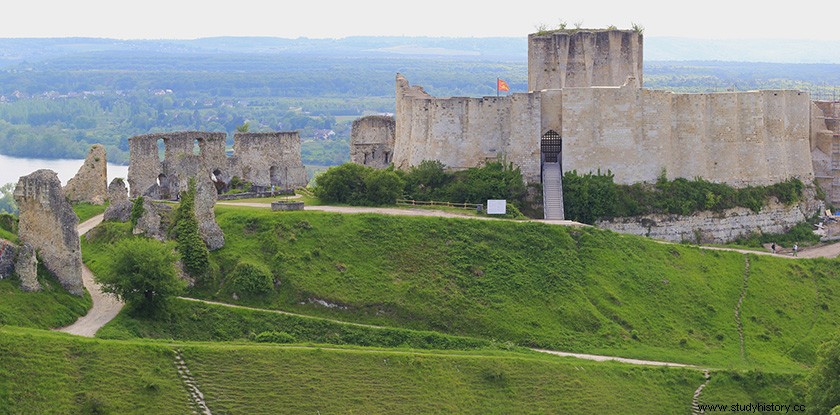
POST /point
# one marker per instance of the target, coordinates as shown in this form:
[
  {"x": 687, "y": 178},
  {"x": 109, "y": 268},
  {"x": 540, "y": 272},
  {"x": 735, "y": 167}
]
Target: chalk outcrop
[
  {"x": 718, "y": 227},
  {"x": 48, "y": 224},
  {"x": 90, "y": 183},
  {"x": 119, "y": 207}
]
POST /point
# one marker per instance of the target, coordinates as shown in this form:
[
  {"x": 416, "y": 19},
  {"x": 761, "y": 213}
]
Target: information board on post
[{"x": 496, "y": 207}]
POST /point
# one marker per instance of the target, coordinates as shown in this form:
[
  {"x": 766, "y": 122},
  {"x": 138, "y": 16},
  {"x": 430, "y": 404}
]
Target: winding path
[{"x": 105, "y": 306}]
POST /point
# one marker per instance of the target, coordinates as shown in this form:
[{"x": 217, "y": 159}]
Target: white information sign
[{"x": 496, "y": 207}]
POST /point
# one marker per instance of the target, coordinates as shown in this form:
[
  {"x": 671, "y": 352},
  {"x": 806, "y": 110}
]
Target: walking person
[
  {"x": 795, "y": 249},
  {"x": 773, "y": 248}
]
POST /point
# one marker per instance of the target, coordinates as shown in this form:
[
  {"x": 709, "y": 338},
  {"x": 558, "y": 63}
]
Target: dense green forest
[{"x": 58, "y": 96}]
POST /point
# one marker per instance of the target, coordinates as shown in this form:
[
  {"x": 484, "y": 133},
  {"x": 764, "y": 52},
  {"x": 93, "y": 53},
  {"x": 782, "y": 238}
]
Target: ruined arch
[{"x": 163, "y": 186}]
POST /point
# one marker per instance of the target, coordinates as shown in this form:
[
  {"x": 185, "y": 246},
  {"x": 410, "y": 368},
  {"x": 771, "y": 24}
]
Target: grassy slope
[
  {"x": 533, "y": 284},
  {"x": 188, "y": 320},
  {"x": 46, "y": 373},
  {"x": 49, "y": 308},
  {"x": 86, "y": 211}
]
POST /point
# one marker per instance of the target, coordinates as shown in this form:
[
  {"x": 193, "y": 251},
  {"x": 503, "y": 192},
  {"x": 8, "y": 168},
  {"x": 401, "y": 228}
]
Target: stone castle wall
[
  {"x": 268, "y": 159},
  {"x": 467, "y": 132},
  {"x": 825, "y": 127},
  {"x": 90, "y": 182},
  {"x": 372, "y": 141},
  {"x": 584, "y": 58},
  {"x": 742, "y": 138}
]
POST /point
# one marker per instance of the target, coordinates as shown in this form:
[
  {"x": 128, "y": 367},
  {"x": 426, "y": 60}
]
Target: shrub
[
  {"x": 9, "y": 223},
  {"x": 342, "y": 184},
  {"x": 137, "y": 211},
  {"x": 590, "y": 197},
  {"x": 274, "y": 337},
  {"x": 383, "y": 187},
  {"x": 251, "y": 279}
]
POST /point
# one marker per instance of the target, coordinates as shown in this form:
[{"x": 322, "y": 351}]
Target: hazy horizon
[{"x": 191, "y": 19}]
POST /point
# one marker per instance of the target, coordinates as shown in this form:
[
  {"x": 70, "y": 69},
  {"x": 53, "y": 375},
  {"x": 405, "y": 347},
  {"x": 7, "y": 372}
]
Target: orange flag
[{"x": 501, "y": 85}]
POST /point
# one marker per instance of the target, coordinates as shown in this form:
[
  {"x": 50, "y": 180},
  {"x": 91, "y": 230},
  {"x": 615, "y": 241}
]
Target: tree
[
  {"x": 7, "y": 199},
  {"x": 243, "y": 128},
  {"x": 142, "y": 273},
  {"x": 383, "y": 187}
]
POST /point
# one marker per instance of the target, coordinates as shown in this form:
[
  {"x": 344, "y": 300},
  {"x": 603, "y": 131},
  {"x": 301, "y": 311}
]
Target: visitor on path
[
  {"x": 773, "y": 247},
  {"x": 795, "y": 249}
]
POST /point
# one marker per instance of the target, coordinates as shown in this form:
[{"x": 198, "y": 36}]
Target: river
[{"x": 11, "y": 168}]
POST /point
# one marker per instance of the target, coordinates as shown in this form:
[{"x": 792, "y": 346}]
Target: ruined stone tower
[{"x": 372, "y": 141}]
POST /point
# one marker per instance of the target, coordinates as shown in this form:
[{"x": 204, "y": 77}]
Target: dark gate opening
[{"x": 551, "y": 147}]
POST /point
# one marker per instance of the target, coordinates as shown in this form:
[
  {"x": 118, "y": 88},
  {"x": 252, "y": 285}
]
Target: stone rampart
[
  {"x": 584, "y": 58},
  {"x": 741, "y": 138},
  {"x": 467, "y": 132},
  {"x": 47, "y": 223}
]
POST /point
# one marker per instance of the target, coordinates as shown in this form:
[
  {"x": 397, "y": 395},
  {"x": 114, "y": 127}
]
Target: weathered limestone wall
[
  {"x": 269, "y": 159},
  {"x": 47, "y": 223},
  {"x": 583, "y": 58},
  {"x": 467, "y": 132},
  {"x": 710, "y": 227},
  {"x": 825, "y": 124},
  {"x": 119, "y": 207},
  {"x": 743, "y": 138},
  {"x": 372, "y": 141},
  {"x": 89, "y": 184}
]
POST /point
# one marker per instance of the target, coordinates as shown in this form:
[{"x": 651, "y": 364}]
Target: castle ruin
[
  {"x": 47, "y": 224},
  {"x": 587, "y": 110},
  {"x": 266, "y": 160},
  {"x": 372, "y": 141}
]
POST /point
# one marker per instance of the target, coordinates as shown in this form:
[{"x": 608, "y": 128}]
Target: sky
[{"x": 190, "y": 19}]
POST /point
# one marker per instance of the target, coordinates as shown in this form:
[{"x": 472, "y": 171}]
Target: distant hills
[{"x": 17, "y": 51}]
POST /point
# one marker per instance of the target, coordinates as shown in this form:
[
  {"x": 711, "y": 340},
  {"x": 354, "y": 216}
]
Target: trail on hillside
[
  {"x": 598, "y": 358},
  {"x": 738, "y": 321},
  {"x": 105, "y": 306},
  {"x": 196, "y": 397},
  {"x": 695, "y": 401}
]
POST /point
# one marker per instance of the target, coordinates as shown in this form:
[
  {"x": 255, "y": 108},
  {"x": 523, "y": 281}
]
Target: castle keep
[{"x": 587, "y": 111}]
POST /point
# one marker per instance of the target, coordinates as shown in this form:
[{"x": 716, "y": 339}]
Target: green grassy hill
[
  {"x": 49, "y": 308},
  {"x": 51, "y": 373},
  {"x": 575, "y": 289}
]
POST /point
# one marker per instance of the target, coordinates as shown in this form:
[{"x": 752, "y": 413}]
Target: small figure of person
[
  {"x": 795, "y": 249},
  {"x": 773, "y": 247}
]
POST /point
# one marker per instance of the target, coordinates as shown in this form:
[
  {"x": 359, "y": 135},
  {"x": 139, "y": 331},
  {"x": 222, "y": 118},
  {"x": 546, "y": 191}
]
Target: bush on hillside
[
  {"x": 9, "y": 223},
  {"x": 142, "y": 273},
  {"x": 594, "y": 196},
  {"x": 355, "y": 184},
  {"x": 495, "y": 180},
  {"x": 249, "y": 278}
]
